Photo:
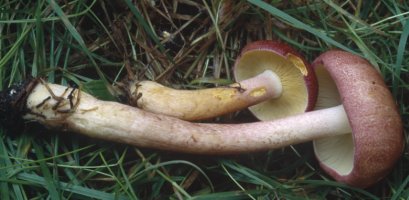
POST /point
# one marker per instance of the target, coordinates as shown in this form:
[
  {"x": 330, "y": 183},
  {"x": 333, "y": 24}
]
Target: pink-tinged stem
[{"x": 121, "y": 123}]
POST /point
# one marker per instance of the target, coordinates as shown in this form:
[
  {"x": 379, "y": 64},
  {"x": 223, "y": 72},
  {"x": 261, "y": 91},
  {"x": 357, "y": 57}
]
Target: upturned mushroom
[
  {"x": 272, "y": 78},
  {"x": 370, "y": 113},
  {"x": 375, "y": 143},
  {"x": 299, "y": 84}
]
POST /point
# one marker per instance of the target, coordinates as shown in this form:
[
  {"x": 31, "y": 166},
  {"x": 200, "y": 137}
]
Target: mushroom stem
[
  {"x": 206, "y": 103},
  {"x": 61, "y": 107}
]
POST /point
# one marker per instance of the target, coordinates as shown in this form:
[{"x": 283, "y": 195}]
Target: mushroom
[
  {"x": 273, "y": 78},
  {"x": 202, "y": 104},
  {"x": 369, "y": 108},
  {"x": 298, "y": 80},
  {"x": 376, "y": 142}
]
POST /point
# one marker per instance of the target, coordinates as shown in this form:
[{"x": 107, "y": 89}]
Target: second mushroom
[{"x": 272, "y": 78}]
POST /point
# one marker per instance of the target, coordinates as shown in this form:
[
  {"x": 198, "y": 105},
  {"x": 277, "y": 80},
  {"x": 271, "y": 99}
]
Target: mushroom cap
[
  {"x": 298, "y": 80},
  {"x": 364, "y": 157}
]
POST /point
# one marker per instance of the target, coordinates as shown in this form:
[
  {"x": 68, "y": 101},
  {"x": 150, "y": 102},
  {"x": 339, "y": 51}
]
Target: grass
[{"x": 183, "y": 44}]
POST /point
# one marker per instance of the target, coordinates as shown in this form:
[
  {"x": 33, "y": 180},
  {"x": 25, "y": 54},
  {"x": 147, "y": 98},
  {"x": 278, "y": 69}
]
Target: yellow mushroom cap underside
[{"x": 291, "y": 71}]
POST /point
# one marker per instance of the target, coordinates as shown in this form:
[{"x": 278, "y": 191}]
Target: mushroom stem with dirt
[
  {"x": 367, "y": 110},
  {"x": 269, "y": 73},
  {"x": 202, "y": 104}
]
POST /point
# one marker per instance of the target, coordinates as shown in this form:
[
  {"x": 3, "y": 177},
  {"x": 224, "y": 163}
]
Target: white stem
[
  {"x": 267, "y": 80},
  {"x": 205, "y": 103},
  {"x": 126, "y": 124}
]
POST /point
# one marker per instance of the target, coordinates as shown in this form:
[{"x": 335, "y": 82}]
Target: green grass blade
[
  {"x": 252, "y": 176},
  {"x": 298, "y": 24},
  {"x": 4, "y": 187},
  {"x": 353, "y": 18},
  {"x": 10, "y": 53},
  {"x": 403, "y": 187},
  {"x": 145, "y": 26},
  {"x": 39, "y": 55},
  {"x": 173, "y": 162},
  {"x": 79, "y": 190},
  {"x": 76, "y": 35},
  {"x": 231, "y": 195},
  {"x": 51, "y": 183},
  {"x": 399, "y": 57},
  {"x": 339, "y": 186},
  {"x": 58, "y": 10}
]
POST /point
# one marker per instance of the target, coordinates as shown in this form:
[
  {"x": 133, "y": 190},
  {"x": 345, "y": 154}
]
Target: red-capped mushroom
[
  {"x": 297, "y": 78},
  {"x": 375, "y": 143}
]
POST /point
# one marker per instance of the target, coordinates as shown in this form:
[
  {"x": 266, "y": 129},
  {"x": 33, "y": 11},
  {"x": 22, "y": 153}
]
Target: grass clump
[{"x": 182, "y": 44}]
